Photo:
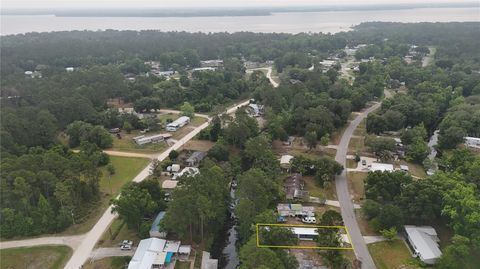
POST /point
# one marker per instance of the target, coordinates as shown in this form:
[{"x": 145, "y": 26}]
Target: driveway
[
  {"x": 101, "y": 253},
  {"x": 346, "y": 204}
]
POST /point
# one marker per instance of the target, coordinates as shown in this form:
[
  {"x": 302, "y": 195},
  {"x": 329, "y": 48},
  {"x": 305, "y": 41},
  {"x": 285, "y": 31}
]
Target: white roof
[
  {"x": 424, "y": 239},
  {"x": 185, "y": 249},
  {"x": 179, "y": 121},
  {"x": 304, "y": 231},
  {"x": 172, "y": 246},
  {"x": 285, "y": 159},
  {"x": 169, "y": 184},
  {"x": 175, "y": 167},
  {"x": 187, "y": 171},
  {"x": 148, "y": 252},
  {"x": 404, "y": 167},
  {"x": 382, "y": 167}
]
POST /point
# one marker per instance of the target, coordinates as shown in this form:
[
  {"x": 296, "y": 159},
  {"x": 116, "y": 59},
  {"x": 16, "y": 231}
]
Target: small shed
[
  {"x": 383, "y": 167},
  {"x": 156, "y": 230},
  {"x": 285, "y": 161}
]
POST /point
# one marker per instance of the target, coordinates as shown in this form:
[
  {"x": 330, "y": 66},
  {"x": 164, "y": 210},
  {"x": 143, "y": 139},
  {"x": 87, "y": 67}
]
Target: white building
[
  {"x": 472, "y": 142},
  {"x": 177, "y": 124},
  {"x": 285, "y": 161},
  {"x": 212, "y": 63},
  {"x": 255, "y": 110},
  {"x": 69, "y": 69},
  {"x": 381, "y": 167},
  {"x": 200, "y": 69},
  {"x": 154, "y": 253},
  {"x": 424, "y": 242},
  {"x": 187, "y": 172},
  {"x": 142, "y": 140}
]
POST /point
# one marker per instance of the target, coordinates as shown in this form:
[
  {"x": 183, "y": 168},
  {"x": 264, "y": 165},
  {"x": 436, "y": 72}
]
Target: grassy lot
[
  {"x": 200, "y": 145},
  {"x": 314, "y": 190},
  {"x": 351, "y": 163},
  {"x": 356, "y": 185},
  {"x": 182, "y": 265},
  {"x": 45, "y": 257},
  {"x": 363, "y": 224},
  {"x": 168, "y": 116},
  {"x": 392, "y": 255},
  {"x": 361, "y": 129},
  {"x": 197, "y": 121},
  {"x": 357, "y": 144},
  {"x": 415, "y": 169},
  {"x": 116, "y": 233},
  {"x": 127, "y": 144},
  {"x": 126, "y": 169},
  {"x": 108, "y": 263}
]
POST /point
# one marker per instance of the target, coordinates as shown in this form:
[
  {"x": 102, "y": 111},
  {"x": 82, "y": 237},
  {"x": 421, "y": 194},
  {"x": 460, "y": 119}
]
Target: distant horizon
[
  {"x": 213, "y": 11},
  {"x": 339, "y": 5}
]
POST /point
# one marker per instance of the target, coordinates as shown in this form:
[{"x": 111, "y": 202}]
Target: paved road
[
  {"x": 71, "y": 241},
  {"x": 343, "y": 195},
  {"x": 82, "y": 253}
]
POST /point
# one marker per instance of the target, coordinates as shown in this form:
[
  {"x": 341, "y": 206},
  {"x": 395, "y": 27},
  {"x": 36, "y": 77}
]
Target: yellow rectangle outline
[{"x": 302, "y": 225}]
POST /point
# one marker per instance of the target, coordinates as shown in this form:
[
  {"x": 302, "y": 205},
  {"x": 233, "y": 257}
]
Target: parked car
[
  {"x": 364, "y": 162},
  {"x": 127, "y": 242},
  {"x": 310, "y": 220},
  {"x": 281, "y": 219},
  {"x": 125, "y": 247}
]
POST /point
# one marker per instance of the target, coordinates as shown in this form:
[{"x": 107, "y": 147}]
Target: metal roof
[{"x": 424, "y": 240}]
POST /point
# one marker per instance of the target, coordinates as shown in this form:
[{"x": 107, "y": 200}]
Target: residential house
[
  {"x": 295, "y": 210},
  {"x": 142, "y": 139},
  {"x": 154, "y": 253},
  {"x": 201, "y": 69},
  {"x": 472, "y": 142},
  {"x": 383, "y": 167},
  {"x": 293, "y": 186},
  {"x": 212, "y": 63},
  {"x": 195, "y": 159},
  {"x": 423, "y": 241},
  {"x": 285, "y": 162},
  {"x": 177, "y": 124},
  {"x": 255, "y": 110}
]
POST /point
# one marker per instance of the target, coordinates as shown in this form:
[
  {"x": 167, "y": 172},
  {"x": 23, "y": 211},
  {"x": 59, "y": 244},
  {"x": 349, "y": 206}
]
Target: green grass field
[
  {"x": 45, "y": 257},
  {"x": 182, "y": 265},
  {"x": 108, "y": 263},
  {"x": 392, "y": 255},
  {"x": 126, "y": 169}
]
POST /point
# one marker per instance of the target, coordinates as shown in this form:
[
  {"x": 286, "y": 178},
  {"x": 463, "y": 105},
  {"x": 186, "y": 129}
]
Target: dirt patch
[{"x": 198, "y": 145}]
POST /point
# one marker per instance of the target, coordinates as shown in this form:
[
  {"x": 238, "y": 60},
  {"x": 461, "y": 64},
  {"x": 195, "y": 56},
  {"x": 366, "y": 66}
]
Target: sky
[{"x": 28, "y": 4}]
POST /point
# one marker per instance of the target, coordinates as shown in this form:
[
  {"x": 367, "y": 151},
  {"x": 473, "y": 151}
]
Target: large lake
[{"x": 334, "y": 21}]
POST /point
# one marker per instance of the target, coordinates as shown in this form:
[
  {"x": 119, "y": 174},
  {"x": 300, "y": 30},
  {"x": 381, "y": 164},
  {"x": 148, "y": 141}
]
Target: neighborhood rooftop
[{"x": 424, "y": 241}]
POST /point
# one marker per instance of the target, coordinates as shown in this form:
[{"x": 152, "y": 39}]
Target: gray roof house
[
  {"x": 196, "y": 158},
  {"x": 424, "y": 242}
]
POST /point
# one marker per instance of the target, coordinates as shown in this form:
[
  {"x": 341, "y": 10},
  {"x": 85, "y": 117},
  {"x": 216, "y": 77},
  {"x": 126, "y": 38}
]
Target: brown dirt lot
[{"x": 200, "y": 145}]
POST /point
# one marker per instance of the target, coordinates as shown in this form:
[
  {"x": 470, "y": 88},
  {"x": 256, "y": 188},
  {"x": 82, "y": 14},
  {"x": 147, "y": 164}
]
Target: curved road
[{"x": 346, "y": 204}]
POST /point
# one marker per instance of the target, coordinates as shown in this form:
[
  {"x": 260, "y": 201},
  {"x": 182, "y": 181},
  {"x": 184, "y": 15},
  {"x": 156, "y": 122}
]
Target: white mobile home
[
  {"x": 473, "y": 142},
  {"x": 142, "y": 140},
  {"x": 177, "y": 124},
  {"x": 424, "y": 242}
]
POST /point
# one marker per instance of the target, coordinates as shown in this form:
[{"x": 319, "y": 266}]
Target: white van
[{"x": 310, "y": 220}]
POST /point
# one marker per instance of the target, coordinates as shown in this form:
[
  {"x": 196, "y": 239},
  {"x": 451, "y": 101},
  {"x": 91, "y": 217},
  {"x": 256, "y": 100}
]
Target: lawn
[
  {"x": 116, "y": 233},
  {"x": 415, "y": 169},
  {"x": 127, "y": 144},
  {"x": 356, "y": 185},
  {"x": 314, "y": 190},
  {"x": 351, "y": 163},
  {"x": 361, "y": 129},
  {"x": 357, "y": 144},
  {"x": 108, "y": 263},
  {"x": 182, "y": 265},
  {"x": 126, "y": 169},
  {"x": 392, "y": 255},
  {"x": 45, "y": 257}
]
